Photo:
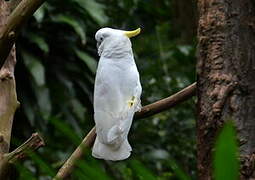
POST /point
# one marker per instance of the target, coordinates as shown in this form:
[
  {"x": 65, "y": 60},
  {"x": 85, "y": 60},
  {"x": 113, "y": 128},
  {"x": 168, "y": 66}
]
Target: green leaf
[
  {"x": 177, "y": 170},
  {"x": 39, "y": 41},
  {"x": 44, "y": 101},
  {"x": 93, "y": 171},
  {"x": 185, "y": 49},
  {"x": 66, "y": 130},
  {"x": 95, "y": 10},
  {"x": 37, "y": 71},
  {"x": 76, "y": 25},
  {"x": 29, "y": 109},
  {"x": 35, "y": 68},
  {"x": 44, "y": 165},
  {"x": 39, "y": 14},
  {"x": 87, "y": 59},
  {"x": 78, "y": 109},
  {"x": 24, "y": 173},
  {"x": 226, "y": 163},
  {"x": 80, "y": 174},
  {"x": 141, "y": 171}
]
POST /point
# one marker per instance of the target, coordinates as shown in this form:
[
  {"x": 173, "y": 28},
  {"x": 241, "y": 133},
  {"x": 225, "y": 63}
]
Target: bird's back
[{"x": 115, "y": 83}]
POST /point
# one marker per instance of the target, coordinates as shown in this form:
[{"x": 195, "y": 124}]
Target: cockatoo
[{"x": 116, "y": 95}]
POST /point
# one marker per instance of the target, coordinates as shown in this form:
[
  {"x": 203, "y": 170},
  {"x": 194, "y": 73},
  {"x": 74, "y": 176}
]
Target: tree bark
[
  {"x": 14, "y": 22},
  {"x": 8, "y": 97},
  {"x": 226, "y": 83}
]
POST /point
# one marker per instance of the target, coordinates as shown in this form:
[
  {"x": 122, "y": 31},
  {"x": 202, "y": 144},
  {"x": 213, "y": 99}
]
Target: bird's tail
[{"x": 110, "y": 152}]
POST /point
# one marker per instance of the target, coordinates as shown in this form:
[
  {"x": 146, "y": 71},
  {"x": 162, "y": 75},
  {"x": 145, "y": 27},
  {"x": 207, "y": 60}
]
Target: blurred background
[{"x": 56, "y": 66}]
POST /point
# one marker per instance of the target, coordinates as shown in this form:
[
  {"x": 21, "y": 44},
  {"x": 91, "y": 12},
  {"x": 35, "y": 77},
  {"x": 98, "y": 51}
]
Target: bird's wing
[{"x": 116, "y": 98}]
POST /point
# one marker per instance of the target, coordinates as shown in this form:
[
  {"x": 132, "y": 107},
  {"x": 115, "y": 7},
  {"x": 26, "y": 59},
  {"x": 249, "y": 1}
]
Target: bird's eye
[{"x": 101, "y": 39}]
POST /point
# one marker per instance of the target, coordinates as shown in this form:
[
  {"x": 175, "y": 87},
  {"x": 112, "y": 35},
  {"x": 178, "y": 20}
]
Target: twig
[
  {"x": 15, "y": 21},
  {"x": 67, "y": 168},
  {"x": 33, "y": 143},
  {"x": 167, "y": 103},
  {"x": 149, "y": 110}
]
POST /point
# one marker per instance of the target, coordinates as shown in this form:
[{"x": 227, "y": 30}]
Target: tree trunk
[
  {"x": 226, "y": 78},
  {"x": 8, "y": 97}
]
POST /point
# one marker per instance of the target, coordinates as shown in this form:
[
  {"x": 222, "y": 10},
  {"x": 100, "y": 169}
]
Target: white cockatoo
[{"x": 116, "y": 95}]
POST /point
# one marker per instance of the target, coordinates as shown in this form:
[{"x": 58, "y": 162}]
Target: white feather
[{"x": 116, "y": 96}]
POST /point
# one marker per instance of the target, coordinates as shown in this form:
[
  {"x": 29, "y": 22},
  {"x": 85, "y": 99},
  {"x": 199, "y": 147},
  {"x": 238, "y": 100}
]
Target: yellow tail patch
[{"x": 131, "y": 102}]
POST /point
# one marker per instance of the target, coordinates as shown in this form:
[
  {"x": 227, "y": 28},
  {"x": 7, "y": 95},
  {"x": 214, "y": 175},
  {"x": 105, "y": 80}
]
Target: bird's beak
[{"x": 132, "y": 33}]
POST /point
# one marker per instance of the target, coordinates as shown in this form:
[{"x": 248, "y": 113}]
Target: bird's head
[{"x": 114, "y": 41}]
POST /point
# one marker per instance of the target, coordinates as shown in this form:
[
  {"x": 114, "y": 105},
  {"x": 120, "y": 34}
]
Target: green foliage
[
  {"x": 178, "y": 171},
  {"x": 72, "y": 22},
  {"x": 226, "y": 156},
  {"x": 24, "y": 172},
  {"x": 40, "y": 42},
  {"x": 87, "y": 59},
  {"x": 95, "y": 10},
  {"x": 140, "y": 171},
  {"x": 42, "y": 164}
]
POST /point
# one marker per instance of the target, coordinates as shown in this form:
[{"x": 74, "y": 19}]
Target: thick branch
[
  {"x": 8, "y": 97},
  {"x": 9, "y": 27},
  {"x": 9, "y": 32},
  {"x": 149, "y": 110}
]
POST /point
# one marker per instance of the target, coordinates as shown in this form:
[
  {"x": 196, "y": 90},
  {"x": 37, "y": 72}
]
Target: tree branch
[
  {"x": 14, "y": 22},
  {"x": 167, "y": 103},
  {"x": 10, "y": 26},
  {"x": 149, "y": 110},
  {"x": 8, "y": 97},
  {"x": 13, "y": 4},
  {"x": 67, "y": 168},
  {"x": 33, "y": 143}
]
